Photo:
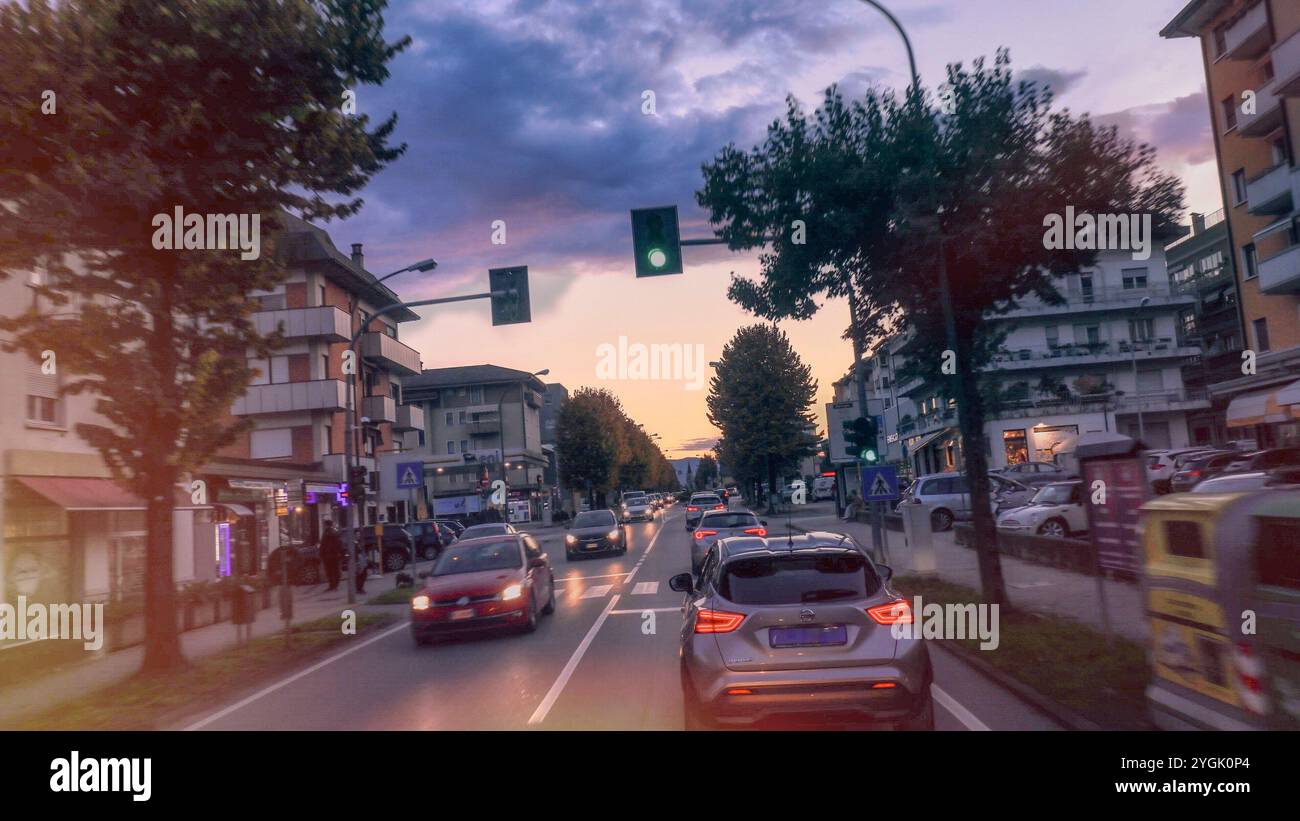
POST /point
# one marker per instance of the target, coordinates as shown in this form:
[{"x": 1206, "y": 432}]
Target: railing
[
  {"x": 1157, "y": 346},
  {"x": 1101, "y": 295}
]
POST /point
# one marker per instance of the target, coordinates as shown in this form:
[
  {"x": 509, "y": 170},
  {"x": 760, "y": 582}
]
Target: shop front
[{"x": 1269, "y": 417}]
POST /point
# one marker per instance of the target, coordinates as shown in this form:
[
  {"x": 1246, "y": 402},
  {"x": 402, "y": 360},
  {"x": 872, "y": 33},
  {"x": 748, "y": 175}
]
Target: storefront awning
[
  {"x": 930, "y": 438},
  {"x": 1290, "y": 395},
  {"x": 74, "y": 493},
  {"x": 1258, "y": 408}
]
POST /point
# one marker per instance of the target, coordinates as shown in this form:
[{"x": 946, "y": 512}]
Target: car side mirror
[
  {"x": 682, "y": 583},
  {"x": 763, "y": 522},
  {"x": 886, "y": 572}
]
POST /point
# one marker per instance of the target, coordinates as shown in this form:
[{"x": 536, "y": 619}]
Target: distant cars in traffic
[
  {"x": 638, "y": 509},
  {"x": 698, "y": 504},
  {"x": 722, "y": 524},
  {"x": 488, "y": 529},
  {"x": 594, "y": 532}
]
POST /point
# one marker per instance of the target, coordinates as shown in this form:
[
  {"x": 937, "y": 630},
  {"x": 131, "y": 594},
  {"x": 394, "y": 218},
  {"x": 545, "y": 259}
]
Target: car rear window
[
  {"x": 706, "y": 500},
  {"x": 721, "y": 519},
  {"x": 798, "y": 579}
]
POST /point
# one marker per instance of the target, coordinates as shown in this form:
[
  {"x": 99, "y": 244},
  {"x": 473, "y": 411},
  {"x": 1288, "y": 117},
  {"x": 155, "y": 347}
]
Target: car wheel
[
  {"x": 394, "y": 562},
  {"x": 1055, "y": 528},
  {"x": 550, "y": 603},
  {"x": 531, "y": 625},
  {"x": 923, "y": 722},
  {"x": 309, "y": 573},
  {"x": 941, "y": 520}
]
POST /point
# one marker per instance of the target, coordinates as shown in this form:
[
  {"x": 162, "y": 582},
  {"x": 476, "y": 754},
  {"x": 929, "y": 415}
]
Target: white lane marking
[
  {"x": 645, "y": 610},
  {"x": 553, "y": 695},
  {"x": 217, "y": 716},
  {"x": 596, "y": 591},
  {"x": 564, "y": 579},
  {"x": 959, "y": 712},
  {"x": 644, "y": 556},
  {"x": 645, "y": 589}
]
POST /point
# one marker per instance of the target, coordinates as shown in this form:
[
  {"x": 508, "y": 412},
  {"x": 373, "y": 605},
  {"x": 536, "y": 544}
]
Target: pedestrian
[
  {"x": 331, "y": 553},
  {"x": 362, "y": 565},
  {"x": 851, "y": 509}
]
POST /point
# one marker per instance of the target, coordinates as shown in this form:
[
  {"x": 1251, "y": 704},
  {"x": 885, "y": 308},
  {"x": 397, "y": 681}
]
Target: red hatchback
[{"x": 477, "y": 584}]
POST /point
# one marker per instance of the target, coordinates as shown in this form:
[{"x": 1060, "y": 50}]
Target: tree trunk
[
  {"x": 162, "y": 646},
  {"x": 971, "y": 413}
]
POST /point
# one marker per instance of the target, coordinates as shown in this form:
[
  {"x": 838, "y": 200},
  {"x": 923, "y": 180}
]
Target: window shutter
[{"x": 41, "y": 384}]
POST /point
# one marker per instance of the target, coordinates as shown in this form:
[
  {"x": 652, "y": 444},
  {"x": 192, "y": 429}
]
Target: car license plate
[
  {"x": 460, "y": 615},
  {"x": 818, "y": 636}
]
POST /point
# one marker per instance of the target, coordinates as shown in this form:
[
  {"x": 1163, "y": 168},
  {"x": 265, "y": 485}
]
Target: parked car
[
  {"x": 484, "y": 583},
  {"x": 823, "y": 488},
  {"x": 431, "y": 537},
  {"x": 456, "y": 527},
  {"x": 1037, "y": 473},
  {"x": 398, "y": 546},
  {"x": 798, "y": 627},
  {"x": 488, "y": 529},
  {"x": 948, "y": 496},
  {"x": 304, "y": 564},
  {"x": 699, "y": 503},
  {"x": 722, "y": 524},
  {"x": 594, "y": 531},
  {"x": 1056, "y": 510},
  {"x": 1163, "y": 464},
  {"x": 1285, "y": 478},
  {"x": 1265, "y": 460},
  {"x": 1200, "y": 468}
]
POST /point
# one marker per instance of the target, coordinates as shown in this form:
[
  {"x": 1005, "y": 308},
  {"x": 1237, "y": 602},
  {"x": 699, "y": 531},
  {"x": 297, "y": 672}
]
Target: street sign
[
  {"x": 879, "y": 484},
  {"x": 410, "y": 475}
]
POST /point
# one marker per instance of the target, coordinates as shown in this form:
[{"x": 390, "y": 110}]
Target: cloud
[
  {"x": 1179, "y": 129},
  {"x": 1058, "y": 80},
  {"x": 703, "y": 443}
]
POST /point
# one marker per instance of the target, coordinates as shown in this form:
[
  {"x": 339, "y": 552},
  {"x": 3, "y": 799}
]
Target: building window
[
  {"x": 420, "y": 435},
  {"x": 462, "y": 417},
  {"x": 1239, "y": 186},
  {"x": 44, "y": 406},
  {"x": 1220, "y": 39},
  {"x": 274, "y": 443},
  {"x": 451, "y": 447},
  {"x": 449, "y": 421},
  {"x": 1187, "y": 320},
  {"x": 271, "y": 302},
  {"x": 1250, "y": 261},
  {"x": 329, "y": 440},
  {"x": 1135, "y": 279},
  {"x": 464, "y": 446},
  {"x": 324, "y": 296},
  {"x": 1229, "y": 107},
  {"x": 476, "y": 394},
  {"x": 1261, "y": 334},
  {"x": 1141, "y": 330}
]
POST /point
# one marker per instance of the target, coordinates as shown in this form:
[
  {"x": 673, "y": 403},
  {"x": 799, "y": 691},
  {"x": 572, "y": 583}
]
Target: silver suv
[{"x": 948, "y": 496}]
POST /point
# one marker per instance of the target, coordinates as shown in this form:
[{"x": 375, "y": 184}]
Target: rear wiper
[{"x": 827, "y": 593}]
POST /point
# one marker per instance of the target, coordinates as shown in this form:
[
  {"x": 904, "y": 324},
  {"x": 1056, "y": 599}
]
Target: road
[{"x": 606, "y": 660}]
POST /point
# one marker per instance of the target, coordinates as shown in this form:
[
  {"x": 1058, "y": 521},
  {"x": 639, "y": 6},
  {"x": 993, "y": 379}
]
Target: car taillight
[
  {"x": 719, "y": 507},
  {"x": 700, "y": 534},
  {"x": 756, "y": 531},
  {"x": 717, "y": 621},
  {"x": 1193, "y": 473},
  {"x": 897, "y": 611},
  {"x": 691, "y": 507}
]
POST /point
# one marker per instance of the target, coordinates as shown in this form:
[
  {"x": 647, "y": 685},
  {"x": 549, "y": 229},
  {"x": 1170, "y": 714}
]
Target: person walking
[{"x": 331, "y": 554}]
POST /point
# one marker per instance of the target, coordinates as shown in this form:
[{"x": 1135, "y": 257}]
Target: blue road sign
[
  {"x": 880, "y": 484},
  {"x": 410, "y": 475}
]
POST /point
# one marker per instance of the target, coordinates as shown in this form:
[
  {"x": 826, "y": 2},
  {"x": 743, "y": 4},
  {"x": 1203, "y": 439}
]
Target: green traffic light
[{"x": 657, "y": 257}]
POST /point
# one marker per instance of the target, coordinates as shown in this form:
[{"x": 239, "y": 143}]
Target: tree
[
  {"x": 760, "y": 397},
  {"x": 591, "y": 441},
  {"x": 706, "y": 473},
  {"x": 215, "y": 107},
  {"x": 894, "y": 192}
]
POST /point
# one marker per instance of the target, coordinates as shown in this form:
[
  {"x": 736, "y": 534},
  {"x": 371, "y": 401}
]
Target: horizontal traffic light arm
[{"x": 423, "y": 302}]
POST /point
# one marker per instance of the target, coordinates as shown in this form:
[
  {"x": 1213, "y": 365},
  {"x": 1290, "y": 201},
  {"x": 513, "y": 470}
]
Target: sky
[{"x": 530, "y": 112}]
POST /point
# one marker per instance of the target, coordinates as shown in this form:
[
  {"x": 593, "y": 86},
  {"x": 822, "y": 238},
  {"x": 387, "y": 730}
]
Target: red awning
[{"x": 78, "y": 493}]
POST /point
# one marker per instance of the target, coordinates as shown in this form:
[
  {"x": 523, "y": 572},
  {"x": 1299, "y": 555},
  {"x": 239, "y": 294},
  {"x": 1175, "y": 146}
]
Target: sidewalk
[
  {"x": 103, "y": 669},
  {"x": 1029, "y": 586}
]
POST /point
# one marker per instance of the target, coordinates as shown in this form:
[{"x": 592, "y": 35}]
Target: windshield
[
  {"x": 798, "y": 579},
  {"x": 594, "y": 518},
  {"x": 1053, "y": 495},
  {"x": 720, "y": 519},
  {"x": 502, "y": 555}
]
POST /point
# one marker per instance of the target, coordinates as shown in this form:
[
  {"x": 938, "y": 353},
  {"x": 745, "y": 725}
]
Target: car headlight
[
  {"x": 420, "y": 603},
  {"x": 569, "y": 538},
  {"x": 613, "y": 535},
  {"x": 512, "y": 592}
]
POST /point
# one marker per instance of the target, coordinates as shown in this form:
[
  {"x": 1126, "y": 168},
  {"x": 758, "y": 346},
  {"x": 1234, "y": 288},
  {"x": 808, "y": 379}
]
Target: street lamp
[{"x": 1133, "y": 326}]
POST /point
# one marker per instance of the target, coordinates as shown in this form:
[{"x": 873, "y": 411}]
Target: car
[
  {"x": 1056, "y": 510},
  {"x": 638, "y": 508},
  {"x": 1037, "y": 473},
  {"x": 699, "y": 503},
  {"x": 456, "y": 527},
  {"x": 732, "y": 491},
  {"x": 431, "y": 537},
  {"x": 398, "y": 545},
  {"x": 1163, "y": 464},
  {"x": 595, "y": 531},
  {"x": 1265, "y": 460},
  {"x": 798, "y": 627},
  {"x": 483, "y": 583},
  {"x": 722, "y": 524},
  {"x": 949, "y": 496},
  {"x": 488, "y": 529},
  {"x": 628, "y": 495},
  {"x": 1286, "y": 478},
  {"x": 788, "y": 491},
  {"x": 1200, "y": 468},
  {"x": 304, "y": 564},
  {"x": 823, "y": 488}
]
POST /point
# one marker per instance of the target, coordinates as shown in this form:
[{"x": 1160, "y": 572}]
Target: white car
[
  {"x": 1056, "y": 510},
  {"x": 638, "y": 508}
]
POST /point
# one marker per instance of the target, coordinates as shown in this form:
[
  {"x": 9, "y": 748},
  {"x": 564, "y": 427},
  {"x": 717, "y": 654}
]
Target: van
[{"x": 823, "y": 488}]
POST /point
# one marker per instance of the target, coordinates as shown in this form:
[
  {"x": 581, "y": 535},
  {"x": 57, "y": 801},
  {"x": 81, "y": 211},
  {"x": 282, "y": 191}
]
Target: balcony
[
  {"x": 325, "y": 322},
  {"x": 288, "y": 397},
  {"x": 1267, "y": 117},
  {"x": 390, "y": 353},
  {"x": 409, "y": 417},
  {"x": 1280, "y": 273},
  {"x": 1105, "y": 298},
  {"x": 484, "y": 427},
  {"x": 1249, "y": 37},
  {"x": 1094, "y": 353},
  {"x": 379, "y": 409},
  {"x": 1271, "y": 192},
  {"x": 1286, "y": 67},
  {"x": 1163, "y": 401}
]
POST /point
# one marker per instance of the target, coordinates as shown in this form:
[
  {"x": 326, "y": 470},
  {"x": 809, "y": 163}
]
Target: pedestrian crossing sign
[
  {"x": 880, "y": 484},
  {"x": 410, "y": 474}
]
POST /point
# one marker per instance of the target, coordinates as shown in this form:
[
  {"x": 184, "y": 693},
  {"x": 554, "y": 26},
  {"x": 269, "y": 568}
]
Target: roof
[
  {"x": 1192, "y": 19},
  {"x": 310, "y": 246},
  {"x": 469, "y": 375},
  {"x": 812, "y": 542}
]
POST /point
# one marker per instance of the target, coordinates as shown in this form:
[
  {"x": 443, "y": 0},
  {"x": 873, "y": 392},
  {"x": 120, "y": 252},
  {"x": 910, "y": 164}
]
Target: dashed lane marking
[
  {"x": 645, "y": 589},
  {"x": 596, "y": 591}
]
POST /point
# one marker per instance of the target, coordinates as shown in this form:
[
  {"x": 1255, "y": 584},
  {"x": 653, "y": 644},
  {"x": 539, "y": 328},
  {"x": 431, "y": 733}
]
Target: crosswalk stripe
[
  {"x": 645, "y": 589},
  {"x": 596, "y": 591}
]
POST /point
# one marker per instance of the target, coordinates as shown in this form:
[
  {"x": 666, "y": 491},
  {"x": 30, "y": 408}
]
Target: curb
[{"x": 1066, "y": 717}]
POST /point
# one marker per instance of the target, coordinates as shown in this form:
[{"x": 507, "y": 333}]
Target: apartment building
[
  {"x": 280, "y": 481},
  {"x": 481, "y": 423},
  {"x": 552, "y": 402},
  {"x": 1251, "y": 53}
]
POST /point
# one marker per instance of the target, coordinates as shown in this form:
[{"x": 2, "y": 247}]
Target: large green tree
[
  {"x": 893, "y": 191},
  {"x": 113, "y": 112},
  {"x": 591, "y": 441},
  {"x": 761, "y": 397}
]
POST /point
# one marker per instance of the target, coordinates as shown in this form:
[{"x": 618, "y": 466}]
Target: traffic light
[
  {"x": 860, "y": 434},
  {"x": 512, "y": 307},
  {"x": 656, "y": 241},
  {"x": 357, "y": 479}
]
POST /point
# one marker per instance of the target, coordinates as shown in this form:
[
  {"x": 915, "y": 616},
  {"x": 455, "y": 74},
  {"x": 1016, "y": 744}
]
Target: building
[
  {"x": 553, "y": 401},
  {"x": 1251, "y": 54},
  {"x": 481, "y": 423},
  {"x": 278, "y": 483},
  {"x": 1200, "y": 264}
]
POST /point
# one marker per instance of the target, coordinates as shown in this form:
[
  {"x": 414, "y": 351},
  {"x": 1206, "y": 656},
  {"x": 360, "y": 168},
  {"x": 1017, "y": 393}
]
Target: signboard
[
  {"x": 281, "y": 502},
  {"x": 880, "y": 484},
  {"x": 1113, "y": 526},
  {"x": 410, "y": 475},
  {"x": 456, "y": 505}
]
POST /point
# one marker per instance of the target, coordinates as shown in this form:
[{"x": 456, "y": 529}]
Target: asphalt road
[{"x": 606, "y": 660}]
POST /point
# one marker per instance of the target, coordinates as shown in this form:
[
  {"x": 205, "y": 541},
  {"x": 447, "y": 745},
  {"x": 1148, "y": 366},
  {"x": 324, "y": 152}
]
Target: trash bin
[{"x": 245, "y": 605}]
